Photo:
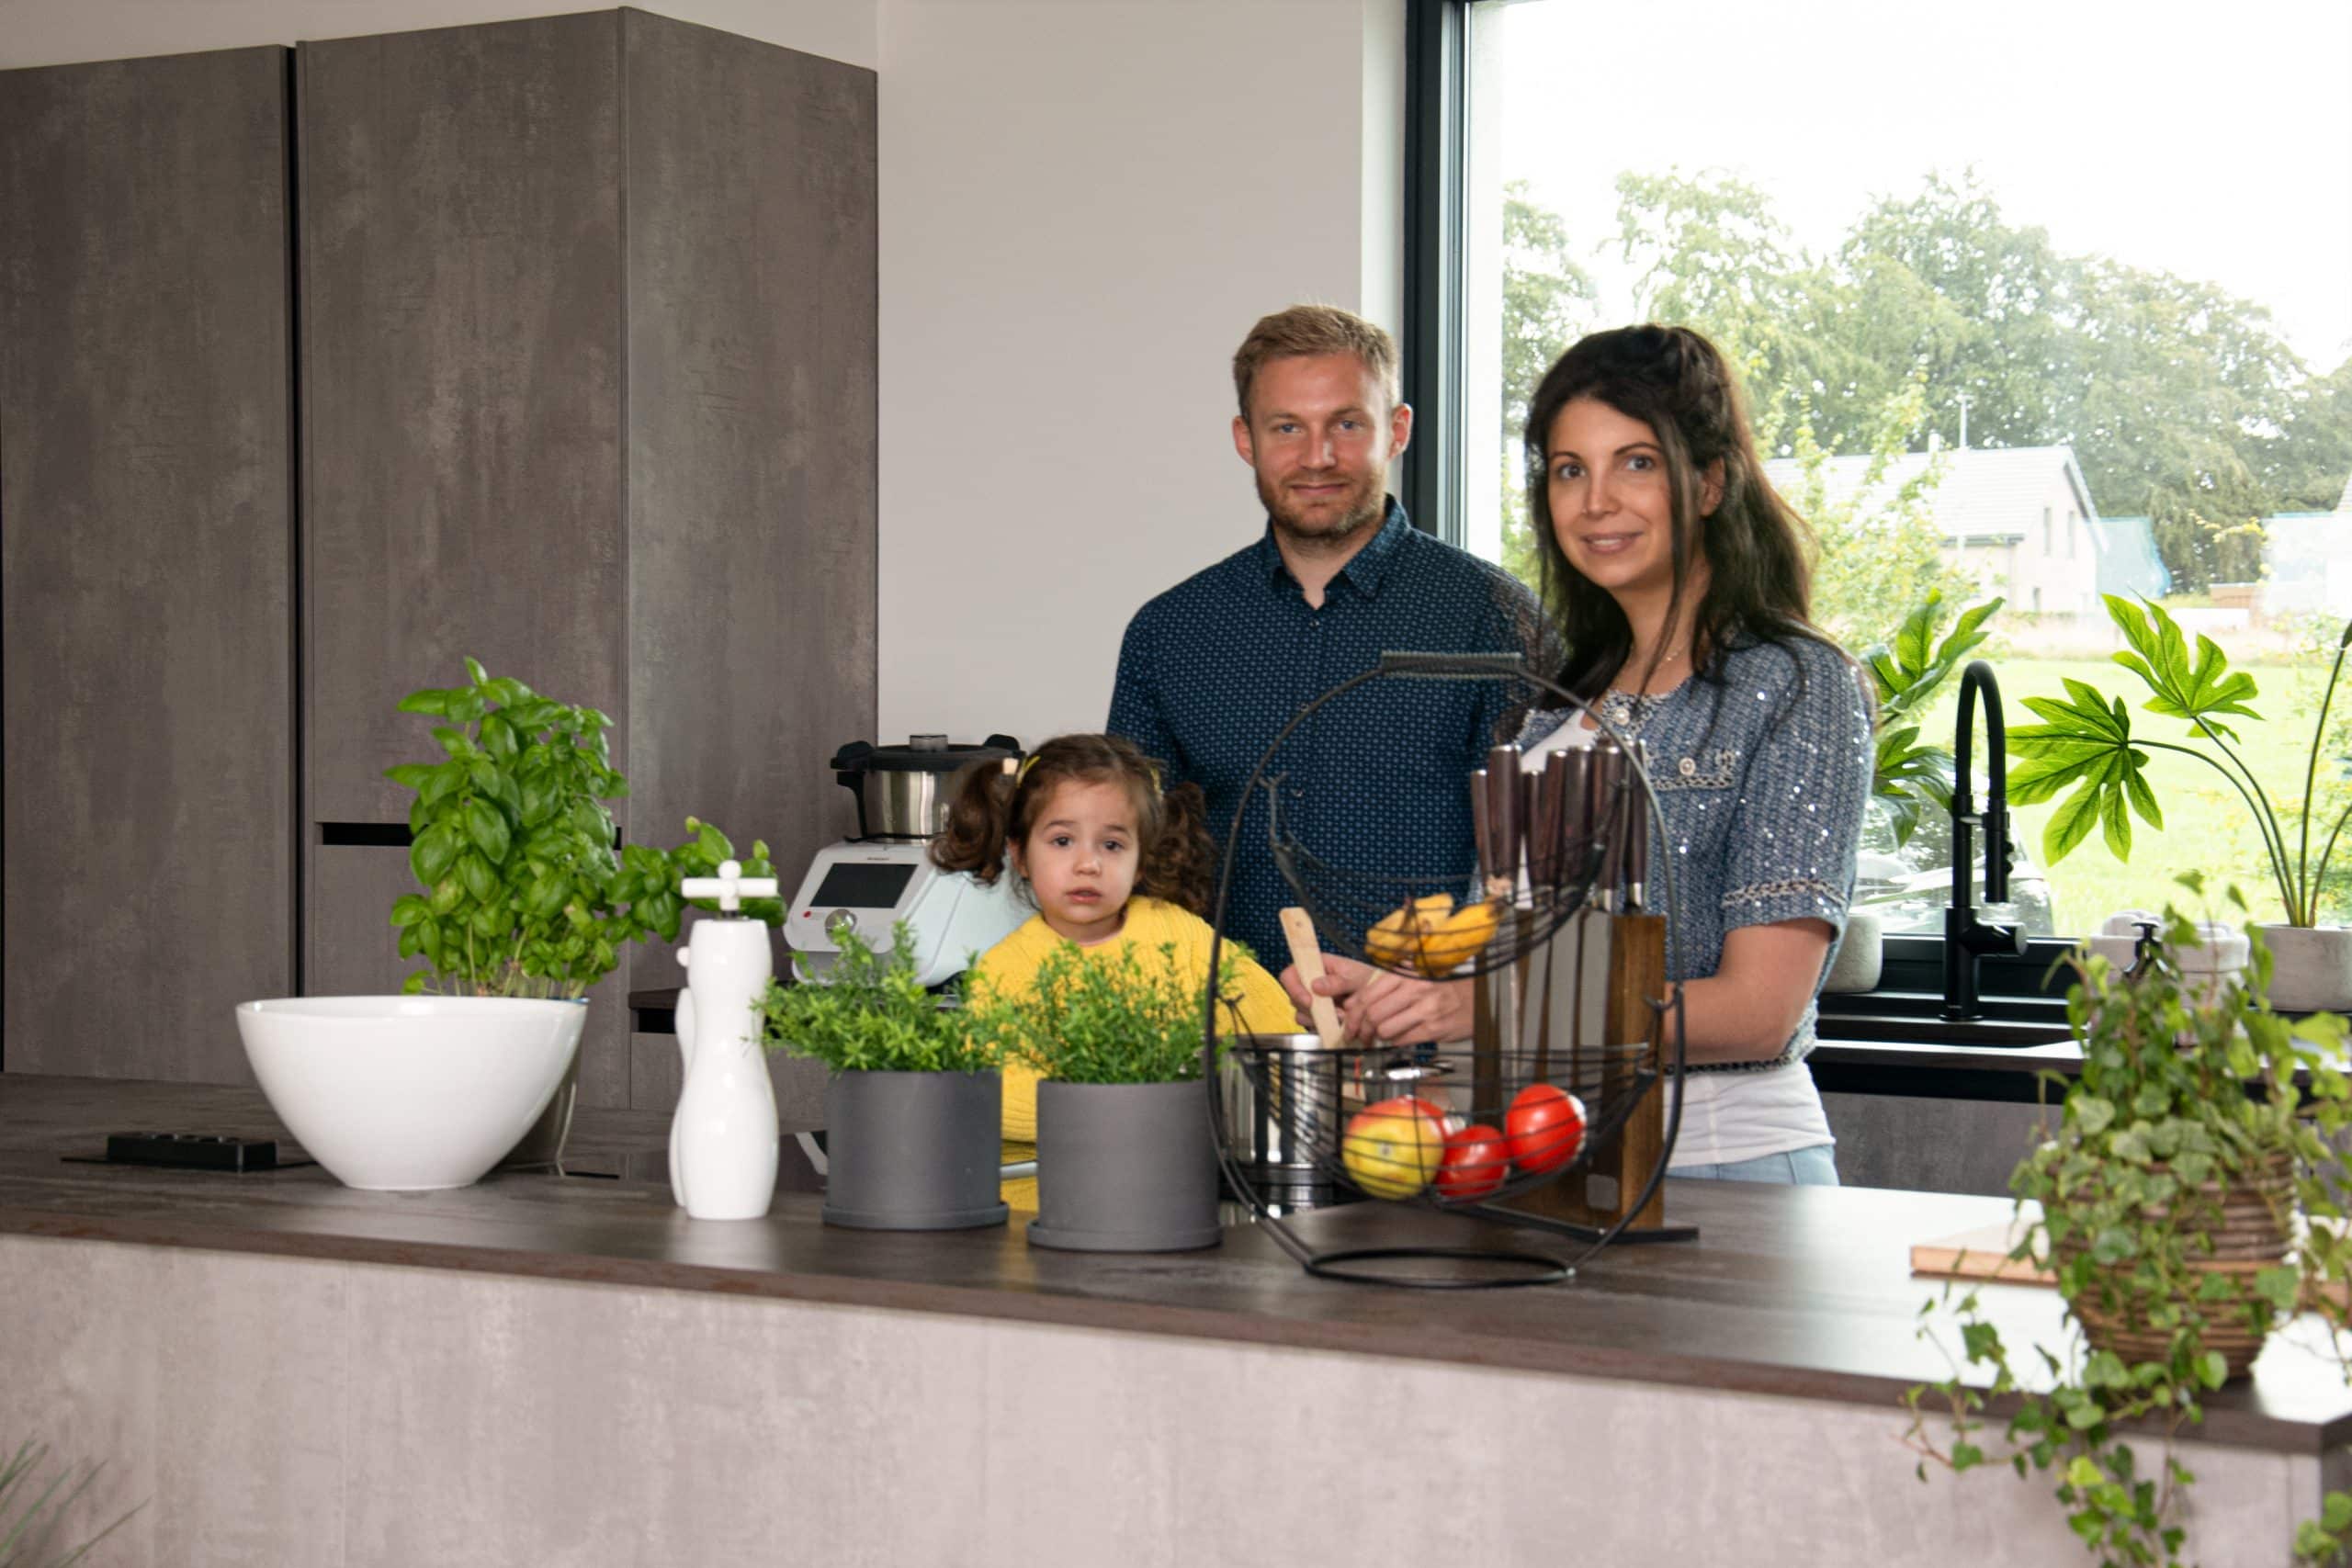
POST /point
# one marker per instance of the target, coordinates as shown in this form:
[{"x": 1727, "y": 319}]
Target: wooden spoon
[{"x": 1306, "y": 953}]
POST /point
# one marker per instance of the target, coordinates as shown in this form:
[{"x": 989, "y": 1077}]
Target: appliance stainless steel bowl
[{"x": 903, "y": 791}]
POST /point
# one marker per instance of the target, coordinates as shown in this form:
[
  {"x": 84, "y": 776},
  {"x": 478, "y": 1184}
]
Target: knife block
[{"x": 1593, "y": 1026}]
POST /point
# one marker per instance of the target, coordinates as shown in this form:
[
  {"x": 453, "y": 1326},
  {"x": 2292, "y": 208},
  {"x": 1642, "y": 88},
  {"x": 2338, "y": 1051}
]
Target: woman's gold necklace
[{"x": 1661, "y": 668}]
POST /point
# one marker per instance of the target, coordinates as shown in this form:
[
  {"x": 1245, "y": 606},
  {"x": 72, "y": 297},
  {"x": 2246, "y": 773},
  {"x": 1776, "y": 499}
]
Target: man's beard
[{"x": 1366, "y": 505}]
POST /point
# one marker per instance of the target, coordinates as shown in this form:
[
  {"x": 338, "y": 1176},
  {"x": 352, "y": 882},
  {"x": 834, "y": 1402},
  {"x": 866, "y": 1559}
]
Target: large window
[{"x": 2039, "y": 303}]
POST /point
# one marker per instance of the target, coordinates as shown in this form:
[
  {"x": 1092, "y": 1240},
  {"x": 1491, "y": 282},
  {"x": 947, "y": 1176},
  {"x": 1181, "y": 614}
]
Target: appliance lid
[{"x": 922, "y": 755}]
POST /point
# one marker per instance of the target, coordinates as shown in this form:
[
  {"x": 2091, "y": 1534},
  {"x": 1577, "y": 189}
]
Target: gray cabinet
[
  {"x": 146, "y": 561},
  {"x": 461, "y": 375},
  {"x": 588, "y": 359}
]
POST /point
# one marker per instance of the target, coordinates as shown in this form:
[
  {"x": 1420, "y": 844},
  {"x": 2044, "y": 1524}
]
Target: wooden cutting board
[
  {"x": 1980, "y": 1254},
  {"x": 1984, "y": 1254}
]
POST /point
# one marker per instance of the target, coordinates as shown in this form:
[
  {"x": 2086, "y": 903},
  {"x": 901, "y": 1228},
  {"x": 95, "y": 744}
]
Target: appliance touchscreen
[{"x": 851, "y": 886}]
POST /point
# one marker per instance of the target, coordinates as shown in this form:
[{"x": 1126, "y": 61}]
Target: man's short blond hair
[{"x": 1308, "y": 330}]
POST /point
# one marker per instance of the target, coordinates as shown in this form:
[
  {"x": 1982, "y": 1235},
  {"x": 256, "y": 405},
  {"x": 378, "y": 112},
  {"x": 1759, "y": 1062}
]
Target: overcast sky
[{"x": 2213, "y": 140}]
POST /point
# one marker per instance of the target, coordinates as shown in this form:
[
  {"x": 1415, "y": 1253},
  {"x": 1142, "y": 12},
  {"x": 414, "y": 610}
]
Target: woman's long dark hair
[{"x": 1759, "y": 585}]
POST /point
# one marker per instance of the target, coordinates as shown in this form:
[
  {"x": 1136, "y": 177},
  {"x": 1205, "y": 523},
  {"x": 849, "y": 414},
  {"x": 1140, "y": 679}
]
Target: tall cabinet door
[
  {"x": 462, "y": 372},
  {"x": 751, "y": 446},
  {"x": 146, "y": 561}
]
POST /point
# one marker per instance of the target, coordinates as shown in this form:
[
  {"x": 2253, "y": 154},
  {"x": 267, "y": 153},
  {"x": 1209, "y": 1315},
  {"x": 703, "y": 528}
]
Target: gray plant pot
[
  {"x": 1124, "y": 1167},
  {"x": 913, "y": 1151}
]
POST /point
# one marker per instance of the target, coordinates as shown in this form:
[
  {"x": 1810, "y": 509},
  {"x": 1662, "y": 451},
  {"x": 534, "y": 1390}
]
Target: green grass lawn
[{"x": 2207, "y": 826}]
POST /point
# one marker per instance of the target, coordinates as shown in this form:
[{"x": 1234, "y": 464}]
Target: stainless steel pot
[
  {"x": 1281, "y": 1096},
  {"x": 903, "y": 791}
]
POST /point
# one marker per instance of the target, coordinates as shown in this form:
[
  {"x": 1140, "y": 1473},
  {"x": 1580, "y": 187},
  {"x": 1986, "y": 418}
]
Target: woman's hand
[{"x": 1377, "y": 1007}]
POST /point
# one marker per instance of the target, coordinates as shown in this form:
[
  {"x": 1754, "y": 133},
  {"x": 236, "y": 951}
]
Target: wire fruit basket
[{"x": 1558, "y": 1115}]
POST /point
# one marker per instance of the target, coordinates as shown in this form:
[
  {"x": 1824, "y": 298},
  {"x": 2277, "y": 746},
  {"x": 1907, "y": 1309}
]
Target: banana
[
  {"x": 1460, "y": 938},
  {"x": 1431, "y": 935}
]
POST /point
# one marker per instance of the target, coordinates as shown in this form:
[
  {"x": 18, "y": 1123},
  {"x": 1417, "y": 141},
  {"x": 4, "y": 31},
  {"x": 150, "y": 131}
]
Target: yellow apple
[{"x": 1393, "y": 1148}]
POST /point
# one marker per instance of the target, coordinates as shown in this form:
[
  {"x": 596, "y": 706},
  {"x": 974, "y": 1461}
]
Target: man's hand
[{"x": 1376, "y": 1006}]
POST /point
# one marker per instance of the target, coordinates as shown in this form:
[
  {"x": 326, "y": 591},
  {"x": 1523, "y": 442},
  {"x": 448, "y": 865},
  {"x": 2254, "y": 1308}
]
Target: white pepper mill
[{"x": 723, "y": 1138}]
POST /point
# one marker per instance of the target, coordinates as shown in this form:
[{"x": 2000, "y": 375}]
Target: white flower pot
[
  {"x": 407, "y": 1094},
  {"x": 1861, "y": 954},
  {"x": 2311, "y": 967}
]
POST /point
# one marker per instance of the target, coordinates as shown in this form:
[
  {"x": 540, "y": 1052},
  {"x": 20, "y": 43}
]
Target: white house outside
[{"x": 2017, "y": 519}]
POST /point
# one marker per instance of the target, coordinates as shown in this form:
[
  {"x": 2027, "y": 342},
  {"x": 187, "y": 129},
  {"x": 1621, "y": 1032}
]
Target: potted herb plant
[
  {"x": 1910, "y": 774},
  {"x": 2086, "y": 743},
  {"x": 1126, "y": 1161},
  {"x": 914, "y": 1105},
  {"x": 523, "y": 892},
  {"x": 2166, "y": 1204},
  {"x": 524, "y": 904}
]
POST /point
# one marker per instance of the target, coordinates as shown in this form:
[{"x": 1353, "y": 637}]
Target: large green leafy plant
[
  {"x": 870, "y": 1013},
  {"x": 1106, "y": 1018},
  {"x": 2086, "y": 743},
  {"x": 523, "y": 892},
  {"x": 2124, "y": 1203},
  {"x": 1907, "y": 673}
]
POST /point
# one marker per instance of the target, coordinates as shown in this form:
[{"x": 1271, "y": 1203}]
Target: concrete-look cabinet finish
[
  {"x": 588, "y": 357},
  {"x": 1932, "y": 1144},
  {"x": 146, "y": 523}
]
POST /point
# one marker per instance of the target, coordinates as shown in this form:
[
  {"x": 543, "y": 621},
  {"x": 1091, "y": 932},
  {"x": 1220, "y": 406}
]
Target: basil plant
[{"x": 523, "y": 890}]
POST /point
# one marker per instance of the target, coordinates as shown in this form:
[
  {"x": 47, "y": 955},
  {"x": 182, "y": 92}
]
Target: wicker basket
[{"x": 2252, "y": 1234}]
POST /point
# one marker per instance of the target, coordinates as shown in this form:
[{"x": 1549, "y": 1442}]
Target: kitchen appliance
[{"x": 884, "y": 875}]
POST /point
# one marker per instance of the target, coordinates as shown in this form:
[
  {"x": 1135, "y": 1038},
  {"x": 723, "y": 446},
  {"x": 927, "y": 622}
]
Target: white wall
[
  {"x": 61, "y": 32},
  {"x": 1084, "y": 206}
]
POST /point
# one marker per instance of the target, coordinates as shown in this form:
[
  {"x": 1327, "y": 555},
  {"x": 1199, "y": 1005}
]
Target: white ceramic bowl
[{"x": 408, "y": 1094}]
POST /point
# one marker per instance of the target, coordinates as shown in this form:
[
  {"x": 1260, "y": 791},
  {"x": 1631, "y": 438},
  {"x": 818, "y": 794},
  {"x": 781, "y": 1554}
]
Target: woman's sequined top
[{"x": 1762, "y": 765}]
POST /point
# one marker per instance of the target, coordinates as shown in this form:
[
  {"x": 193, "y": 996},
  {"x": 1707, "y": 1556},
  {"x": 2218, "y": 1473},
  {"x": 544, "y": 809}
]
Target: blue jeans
[{"x": 1815, "y": 1166}]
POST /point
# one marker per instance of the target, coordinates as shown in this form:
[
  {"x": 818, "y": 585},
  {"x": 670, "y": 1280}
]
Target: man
[{"x": 1376, "y": 785}]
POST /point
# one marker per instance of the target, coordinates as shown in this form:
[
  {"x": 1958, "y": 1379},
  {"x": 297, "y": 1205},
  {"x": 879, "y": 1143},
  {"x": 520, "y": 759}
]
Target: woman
[{"x": 1678, "y": 582}]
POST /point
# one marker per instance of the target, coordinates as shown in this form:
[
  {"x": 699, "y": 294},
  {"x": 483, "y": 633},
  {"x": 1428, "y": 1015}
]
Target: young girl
[
  {"x": 1678, "y": 581},
  {"x": 1109, "y": 862}
]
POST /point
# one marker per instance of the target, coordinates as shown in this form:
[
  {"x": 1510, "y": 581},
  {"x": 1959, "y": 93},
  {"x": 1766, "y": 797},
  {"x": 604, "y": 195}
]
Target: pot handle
[{"x": 849, "y": 768}]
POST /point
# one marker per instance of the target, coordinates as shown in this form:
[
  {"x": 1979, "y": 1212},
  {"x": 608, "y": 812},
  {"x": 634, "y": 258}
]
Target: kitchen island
[{"x": 567, "y": 1370}]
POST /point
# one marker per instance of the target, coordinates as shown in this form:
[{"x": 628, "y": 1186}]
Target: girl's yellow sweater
[{"x": 1010, "y": 969}]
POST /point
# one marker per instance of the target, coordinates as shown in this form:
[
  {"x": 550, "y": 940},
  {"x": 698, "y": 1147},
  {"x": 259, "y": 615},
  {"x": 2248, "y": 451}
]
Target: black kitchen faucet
[{"x": 1966, "y": 937}]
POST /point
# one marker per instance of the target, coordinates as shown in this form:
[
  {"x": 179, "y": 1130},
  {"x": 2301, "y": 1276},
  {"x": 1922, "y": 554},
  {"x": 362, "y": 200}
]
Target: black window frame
[{"x": 1437, "y": 94}]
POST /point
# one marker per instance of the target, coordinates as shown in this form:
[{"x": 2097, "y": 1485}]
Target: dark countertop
[{"x": 1803, "y": 1292}]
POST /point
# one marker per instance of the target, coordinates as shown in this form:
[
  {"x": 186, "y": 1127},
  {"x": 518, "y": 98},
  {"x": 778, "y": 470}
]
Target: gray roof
[{"x": 1985, "y": 491}]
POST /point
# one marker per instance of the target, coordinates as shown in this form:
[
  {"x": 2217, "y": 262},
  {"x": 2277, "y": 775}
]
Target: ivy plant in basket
[
  {"x": 521, "y": 892},
  {"x": 1126, "y": 1159},
  {"x": 915, "y": 1099},
  {"x": 2185, "y": 1219}
]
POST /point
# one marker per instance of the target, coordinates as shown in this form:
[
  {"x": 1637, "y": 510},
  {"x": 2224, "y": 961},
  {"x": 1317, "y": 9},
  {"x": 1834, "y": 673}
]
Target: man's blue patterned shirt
[{"x": 1377, "y": 783}]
